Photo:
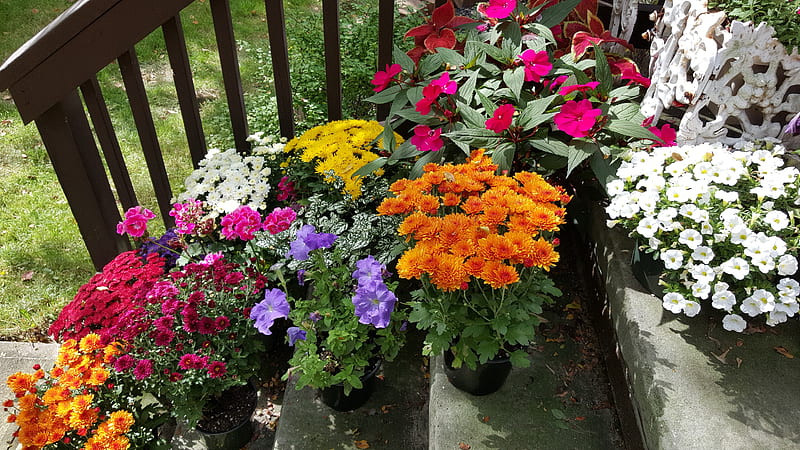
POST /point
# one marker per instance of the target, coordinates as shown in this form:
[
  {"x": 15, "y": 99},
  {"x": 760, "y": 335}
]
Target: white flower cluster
[
  {"x": 724, "y": 223},
  {"x": 226, "y": 179}
]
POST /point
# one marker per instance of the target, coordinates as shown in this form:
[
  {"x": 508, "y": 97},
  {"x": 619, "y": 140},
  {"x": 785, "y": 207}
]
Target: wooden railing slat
[
  {"x": 333, "y": 64},
  {"x": 226, "y": 46},
  {"x": 140, "y": 107},
  {"x": 276, "y": 27},
  {"x": 385, "y": 44},
  {"x": 104, "y": 129},
  {"x": 184, "y": 87},
  {"x": 69, "y": 142}
]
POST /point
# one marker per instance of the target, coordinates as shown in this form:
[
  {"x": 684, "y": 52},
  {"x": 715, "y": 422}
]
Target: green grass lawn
[{"x": 43, "y": 260}]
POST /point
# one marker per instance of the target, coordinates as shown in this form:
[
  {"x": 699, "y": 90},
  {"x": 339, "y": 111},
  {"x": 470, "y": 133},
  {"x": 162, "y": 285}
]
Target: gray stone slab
[
  {"x": 20, "y": 357},
  {"x": 395, "y": 417},
  {"x": 695, "y": 385}
]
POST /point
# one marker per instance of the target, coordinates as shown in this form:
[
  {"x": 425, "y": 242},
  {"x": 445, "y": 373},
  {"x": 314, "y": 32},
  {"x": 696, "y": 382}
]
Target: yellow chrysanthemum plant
[
  {"x": 326, "y": 157},
  {"x": 76, "y": 404},
  {"x": 481, "y": 244}
]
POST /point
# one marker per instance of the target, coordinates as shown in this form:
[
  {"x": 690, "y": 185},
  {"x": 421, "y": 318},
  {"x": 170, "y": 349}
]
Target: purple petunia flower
[
  {"x": 315, "y": 316},
  {"x": 368, "y": 269},
  {"x": 307, "y": 240},
  {"x": 374, "y": 303},
  {"x": 793, "y": 127},
  {"x": 295, "y": 334},
  {"x": 301, "y": 277},
  {"x": 274, "y": 306}
]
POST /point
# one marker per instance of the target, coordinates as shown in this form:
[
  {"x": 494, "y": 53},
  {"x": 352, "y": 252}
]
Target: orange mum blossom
[
  {"x": 62, "y": 407},
  {"x": 480, "y": 244}
]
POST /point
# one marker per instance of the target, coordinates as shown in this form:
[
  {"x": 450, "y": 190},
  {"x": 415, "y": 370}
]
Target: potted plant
[
  {"x": 80, "y": 403},
  {"x": 346, "y": 324},
  {"x": 722, "y": 221},
  {"x": 481, "y": 245}
]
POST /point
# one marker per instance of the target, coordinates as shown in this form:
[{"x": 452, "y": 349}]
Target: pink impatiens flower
[
  {"x": 666, "y": 133},
  {"x": 431, "y": 92},
  {"x": 425, "y": 139},
  {"x": 135, "y": 222},
  {"x": 501, "y": 119},
  {"x": 590, "y": 86},
  {"x": 241, "y": 223},
  {"x": 279, "y": 220},
  {"x": 382, "y": 78},
  {"x": 576, "y": 118},
  {"x": 448, "y": 86},
  {"x": 537, "y": 64},
  {"x": 500, "y": 9}
]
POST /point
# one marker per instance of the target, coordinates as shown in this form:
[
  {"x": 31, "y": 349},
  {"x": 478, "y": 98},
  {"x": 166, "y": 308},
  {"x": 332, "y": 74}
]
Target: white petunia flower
[
  {"x": 673, "y": 259},
  {"x": 751, "y": 306},
  {"x": 764, "y": 262},
  {"x": 615, "y": 187},
  {"x": 736, "y": 267},
  {"x": 789, "y": 286},
  {"x": 703, "y": 273},
  {"x": 740, "y": 234},
  {"x": 776, "y": 317},
  {"x": 674, "y": 302},
  {"x": 690, "y": 238},
  {"x": 691, "y": 308},
  {"x": 703, "y": 254},
  {"x": 766, "y": 301},
  {"x": 734, "y": 322},
  {"x": 701, "y": 290},
  {"x": 647, "y": 227},
  {"x": 723, "y": 300},
  {"x": 726, "y": 196}
]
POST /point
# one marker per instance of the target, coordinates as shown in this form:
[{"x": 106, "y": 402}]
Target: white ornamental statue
[{"x": 734, "y": 80}]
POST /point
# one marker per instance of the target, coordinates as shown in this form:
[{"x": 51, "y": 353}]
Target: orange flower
[
  {"x": 452, "y": 228},
  {"x": 120, "y": 422},
  {"x": 395, "y": 205},
  {"x": 449, "y": 274},
  {"x": 451, "y": 199},
  {"x": 474, "y": 266},
  {"x": 498, "y": 275},
  {"x": 409, "y": 265},
  {"x": 428, "y": 228},
  {"x": 97, "y": 376},
  {"x": 411, "y": 224},
  {"x": 473, "y": 205},
  {"x": 90, "y": 343},
  {"x": 493, "y": 216},
  {"x": 463, "y": 248},
  {"x": 542, "y": 255},
  {"x": 428, "y": 204},
  {"x": 496, "y": 247},
  {"x": 55, "y": 394},
  {"x": 20, "y": 382}
]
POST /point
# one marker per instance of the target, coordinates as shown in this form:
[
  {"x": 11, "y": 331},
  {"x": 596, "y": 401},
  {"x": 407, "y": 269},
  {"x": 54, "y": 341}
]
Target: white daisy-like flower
[
  {"x": 734, "y": 322},
  {"x": 674, "y": 302}
]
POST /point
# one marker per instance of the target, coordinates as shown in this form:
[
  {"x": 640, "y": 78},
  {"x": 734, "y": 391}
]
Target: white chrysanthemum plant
[
  {"x": 724, "y": 221},
  {"x": 228, "y": 179}
]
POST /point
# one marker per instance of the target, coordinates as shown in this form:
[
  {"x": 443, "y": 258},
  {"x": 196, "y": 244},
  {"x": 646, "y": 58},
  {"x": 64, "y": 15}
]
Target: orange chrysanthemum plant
[
  {"x": 481, "y": 245},
  {"x": 71, "y": 405}
]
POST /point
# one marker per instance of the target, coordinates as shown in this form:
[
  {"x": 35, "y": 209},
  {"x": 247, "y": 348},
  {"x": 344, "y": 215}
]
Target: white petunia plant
[
  {"x": 724, "y": 221},
  {"x": 228, "y": 179}
]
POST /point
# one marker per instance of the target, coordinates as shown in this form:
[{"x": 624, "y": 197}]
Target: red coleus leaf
[
  {"x": 572, "y": 27},
  {"x": 445, "y": 38},
  {"x": 595, "y": 25},
  {"x": 582, "y": 41},
  {"x": 443, "y": 15},
  {"x": 422, "y": 30}
]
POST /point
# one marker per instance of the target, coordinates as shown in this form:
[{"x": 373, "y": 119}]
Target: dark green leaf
[
  {"x": 604, "y": 170},
  {"x": 533, "y": 115},
  {"x": 519, "y": 358},
  {"x": 558, "y": 414},
  {"x": 579, "y": 151},
  {"x": 371, "y": 166},
  {"x": 625, "y": 93},
  {"x": 514, "y": 79},
  {"x": 553, "y": 15},
  {"x": 472, "y": 118},
  {"x": 405, "y": 150},
  {"x": 400, "y": 57},
  {"x": 493, "y": 51},
  {"x": 487, "y": 349},
  {"x": 627, "y": 128},
  {"x": 488, "y": 105},
  {"x": 385, "y": 96},
  {"x": 555, "y": 146},
  {"x": 602, "y": 70},
  {"x": 467, "y": 90},
  {"x": 451, "y": 57},
  {"x": 626, "y": 111},
  {"x": 428, "y": 157},
  {"x": 430, "y": 64},
  {"x": 503, "y": 155}
]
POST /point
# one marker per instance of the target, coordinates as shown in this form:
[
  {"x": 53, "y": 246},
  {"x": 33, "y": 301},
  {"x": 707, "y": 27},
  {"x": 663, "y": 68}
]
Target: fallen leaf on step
[
  {"x": 385, "y": 408},
  {"x": 721, "y": 357},
  {"x": 784, "y": 352},
  {"x": 361, "y": 444},
  {"x": 738, "y": 362},
  {"x": 485, "y": 419},
  {"x": 463, "y": 446}
]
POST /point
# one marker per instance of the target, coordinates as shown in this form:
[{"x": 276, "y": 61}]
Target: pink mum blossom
[
  {"x": 279, "y": 220},
  {"x": 425, "y": 139},
  {"x": 135, "y": 222},
  {"x": 500, "y": 9},
  {"x": 576, "y": 118},
  {"x": 501, "y": 119},
  {"x": 537, "y": 64},
  {"x": 382, "y": 78},
  {"x": 241, "y": 223}
]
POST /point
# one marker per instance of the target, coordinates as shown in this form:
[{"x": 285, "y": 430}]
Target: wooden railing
[{"x": 54, "y": 75}]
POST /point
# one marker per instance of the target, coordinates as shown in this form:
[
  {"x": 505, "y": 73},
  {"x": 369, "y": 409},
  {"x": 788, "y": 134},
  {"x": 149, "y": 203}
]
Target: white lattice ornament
[{"x": 736, "y": 82}]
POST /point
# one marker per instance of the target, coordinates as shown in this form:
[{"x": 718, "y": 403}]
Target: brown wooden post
[
  {"x": 226, "y": 46},
  {"x": 333, "y": 61},
  {"x": 184, "y": 87},
  {"x": 385, "y": 44},
  {"x": 69, "y": 142},
  {"x": 279, "y": 50}
]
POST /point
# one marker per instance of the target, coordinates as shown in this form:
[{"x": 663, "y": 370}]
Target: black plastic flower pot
[
  {"x": 335, "y": 398},
  {"x": 238, "y": 405},
  {"x": 485, "y": 379}
]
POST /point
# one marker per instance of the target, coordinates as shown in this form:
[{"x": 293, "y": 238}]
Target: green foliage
[{"x": 779, "y": 14}]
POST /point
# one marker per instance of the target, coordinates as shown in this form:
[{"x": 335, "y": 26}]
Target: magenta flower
[
  {"x": 279, "y": 220},
  {"x": 187, "y": 215},
  {"x": 576, "y": 118},
  {"x": 287, "y": 190},
  {"x": 667, "y": 135},
  {"x": 211, "y": 258},
  {"x": 221, "y": 322},
  {"x": 192, "y": 361},
  {"x": 537, "y": 64},
  {"x": 448, "y": 86},
  {"x": 124, "y": 363},
  {"x": 500, "y": 9},
  {"x": 590, "y": 86},
  {"x": 425, "y": 139},
  {"x": 241, "y": 223},
  {"x": 135, "y": 222},
  {"x": 217, "y": 369},
  {"x": 273, "y": 307},
  {"x": 501, "y": 119},
  {"x": 382, "y": 78},
  {"x": 143, "y": 369}
]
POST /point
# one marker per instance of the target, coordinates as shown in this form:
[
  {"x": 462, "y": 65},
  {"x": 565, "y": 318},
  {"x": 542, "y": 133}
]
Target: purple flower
[
  {"x": 295, "y": 334},
  {"x": 307, "y": 240},
  {"x": 274, "y": 306},
  {"x": 793, "y": 127},
  {"x": 124, "y": 363},
  {"x": 315, "y": 316},
  {"x": 368, "y": 269},
  {"x": 301, "y": 277},
  {"x": 374, "y": 303}
]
